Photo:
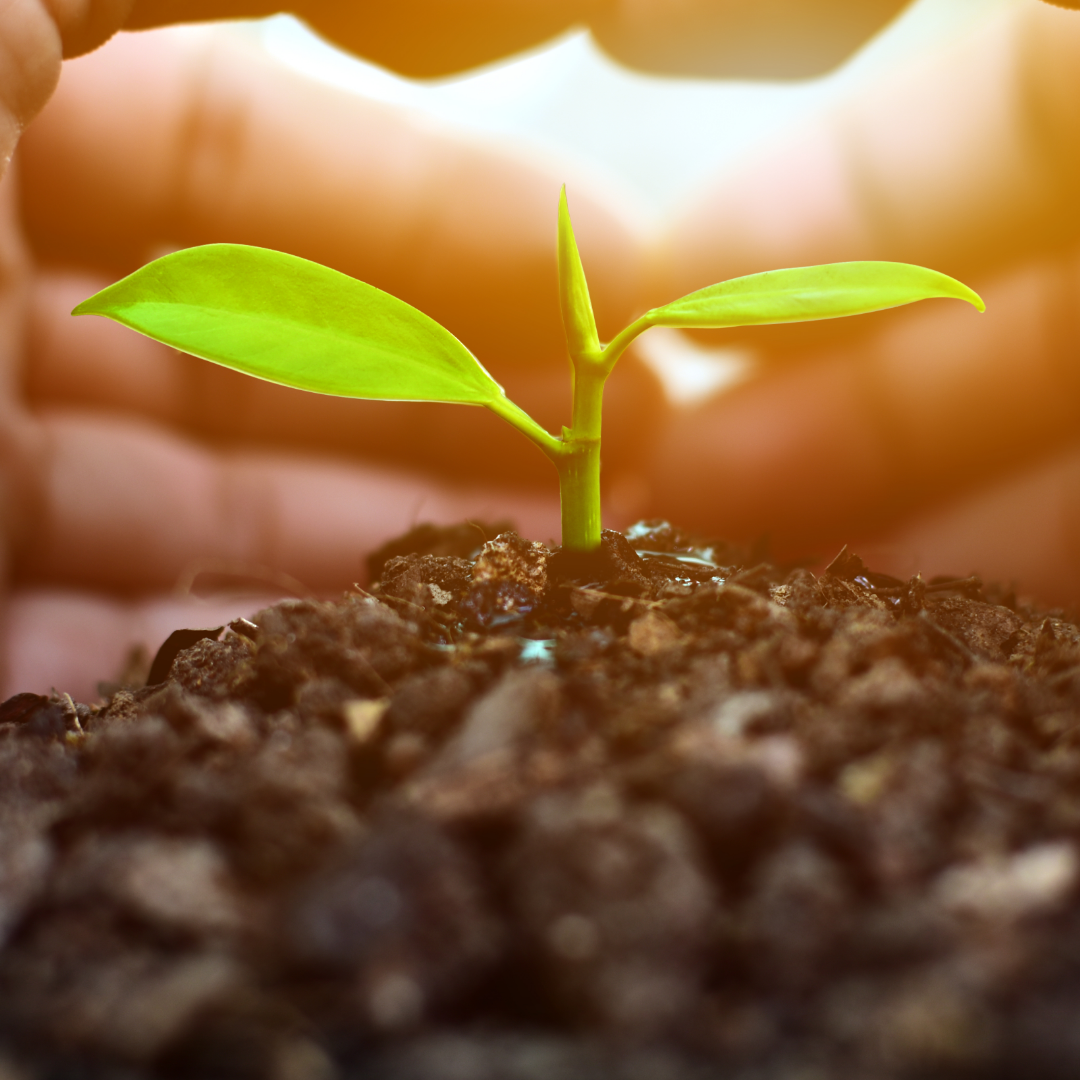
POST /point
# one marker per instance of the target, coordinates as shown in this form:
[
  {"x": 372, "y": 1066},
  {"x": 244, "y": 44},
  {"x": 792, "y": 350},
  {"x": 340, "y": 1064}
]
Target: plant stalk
[
  {"x": 579, "y": 462},
  {"x": 579, "y": 495},
  {"x": 576, "y": 455}
]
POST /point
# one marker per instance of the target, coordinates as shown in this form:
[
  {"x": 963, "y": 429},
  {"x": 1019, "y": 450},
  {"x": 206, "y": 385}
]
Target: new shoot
[{"x": 291, "y": 321}]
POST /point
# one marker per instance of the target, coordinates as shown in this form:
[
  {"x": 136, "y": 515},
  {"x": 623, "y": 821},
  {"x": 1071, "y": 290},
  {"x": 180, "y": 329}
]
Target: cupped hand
[
  {"x": 127, "y": 466},
  {"x": 935, "y": 438}
]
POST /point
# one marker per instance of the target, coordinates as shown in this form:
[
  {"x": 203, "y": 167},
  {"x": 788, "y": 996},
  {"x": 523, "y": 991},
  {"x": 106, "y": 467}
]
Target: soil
[{"x": 668, "y": 814}]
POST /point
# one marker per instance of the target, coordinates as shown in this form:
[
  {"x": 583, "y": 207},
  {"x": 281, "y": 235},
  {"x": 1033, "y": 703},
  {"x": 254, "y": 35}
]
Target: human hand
[
  {"x": 95, "y": 199},
  {"x": 706, "y": 38},
  {"x": 111, "y": 493},
  {"x": 127, "y": 465},
  {"x": 936, "y": 439}
]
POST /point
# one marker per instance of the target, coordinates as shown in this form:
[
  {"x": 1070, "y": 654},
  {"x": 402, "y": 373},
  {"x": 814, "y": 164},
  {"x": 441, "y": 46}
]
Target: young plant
[{"x": 290, "y": 321}]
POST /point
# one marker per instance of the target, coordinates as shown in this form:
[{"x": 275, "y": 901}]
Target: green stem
[
  {"x": 579, "y": 463},
  {"x": 520, "y": 419},
  {"x": 579, "y": 467},
  {"x": 618, "y": 344},
  {"x": 576, "y": 455},
  {"x": 579, "y": 495}
]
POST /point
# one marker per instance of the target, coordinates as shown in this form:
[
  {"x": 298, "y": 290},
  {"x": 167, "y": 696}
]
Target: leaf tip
[
  {"x": 87, "y": 307},
  {"x": 564, "y": 211},
  {"x": 971, "y": 296},
  {"x": 102, "y": 302}
]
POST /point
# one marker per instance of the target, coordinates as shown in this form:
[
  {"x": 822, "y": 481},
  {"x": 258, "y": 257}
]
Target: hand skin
[
  {"x": 150, "y": 143},
  {"x": 422, "y": 38},
  {"x": 930, "y": 438},
  {"x": 125, "y": 466}
]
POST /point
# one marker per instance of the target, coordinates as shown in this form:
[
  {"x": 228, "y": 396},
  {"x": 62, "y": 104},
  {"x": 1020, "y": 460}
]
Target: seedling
[{"x": 290, "y": 321}]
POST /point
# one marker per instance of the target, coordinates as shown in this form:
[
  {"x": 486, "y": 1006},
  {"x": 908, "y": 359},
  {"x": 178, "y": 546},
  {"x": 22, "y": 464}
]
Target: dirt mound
[{"x": 518, "y": 817}]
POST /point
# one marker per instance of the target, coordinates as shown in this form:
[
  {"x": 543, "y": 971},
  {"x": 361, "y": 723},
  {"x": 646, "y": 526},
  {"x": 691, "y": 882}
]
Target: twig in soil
[{"x": 948, "y": 639}]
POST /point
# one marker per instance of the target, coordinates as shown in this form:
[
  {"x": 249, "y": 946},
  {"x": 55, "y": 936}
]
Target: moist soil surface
[{"x": 666, "y": 813}]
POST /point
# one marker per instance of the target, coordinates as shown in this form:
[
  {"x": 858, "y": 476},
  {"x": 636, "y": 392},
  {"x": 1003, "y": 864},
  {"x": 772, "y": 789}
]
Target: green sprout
[{"x": 291, "y": 321}]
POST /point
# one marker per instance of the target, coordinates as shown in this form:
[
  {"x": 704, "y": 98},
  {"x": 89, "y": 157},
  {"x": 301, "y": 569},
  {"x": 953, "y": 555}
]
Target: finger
[
  {"x": 859, "y": 437},
  {"x": 128, "y": 507},
  {"x": 1023, "y": 530},
  {"x": 30, "y": 55},
  {"x": 95, "y": 363},
  {"x": 772, "y": 39},
  {"x": 35, "y": 36},
  {"x": 965, "y": 160},
  {"x": 417, "y": 39},
  {"x": 158, "y": 139},
  {"x": 72, "y": 641}
]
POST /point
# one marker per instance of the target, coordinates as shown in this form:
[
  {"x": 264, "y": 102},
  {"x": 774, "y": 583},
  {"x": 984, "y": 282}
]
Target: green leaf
[
  {"x": 807, "y": 293},
  {"x": 577, "y": 312},
  {"x": 291, "y": 321}
]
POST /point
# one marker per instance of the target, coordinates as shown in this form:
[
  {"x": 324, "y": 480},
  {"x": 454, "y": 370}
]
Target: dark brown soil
[{"x": 662, "y": 816}]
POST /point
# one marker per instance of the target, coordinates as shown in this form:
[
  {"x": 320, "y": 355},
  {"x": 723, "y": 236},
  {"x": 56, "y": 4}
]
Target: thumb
[
  {"x": 85, "y": 25},
  {"x": 35, "y": 37}
]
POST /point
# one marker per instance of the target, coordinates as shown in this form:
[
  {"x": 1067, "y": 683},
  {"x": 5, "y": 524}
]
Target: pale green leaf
[
  {"x": 291, "y": 321},
  {"x": 577, "y": 312},
  {"x": 807, "y": 293}
]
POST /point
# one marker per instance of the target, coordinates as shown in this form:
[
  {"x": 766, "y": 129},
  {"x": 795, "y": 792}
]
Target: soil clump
[{"x": 665, "y": 814}]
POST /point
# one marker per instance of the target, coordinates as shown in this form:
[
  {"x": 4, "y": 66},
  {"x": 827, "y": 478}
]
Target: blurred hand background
[
  {"x": 941, "y": 440},
  {"x": 928, "y": 439}
]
